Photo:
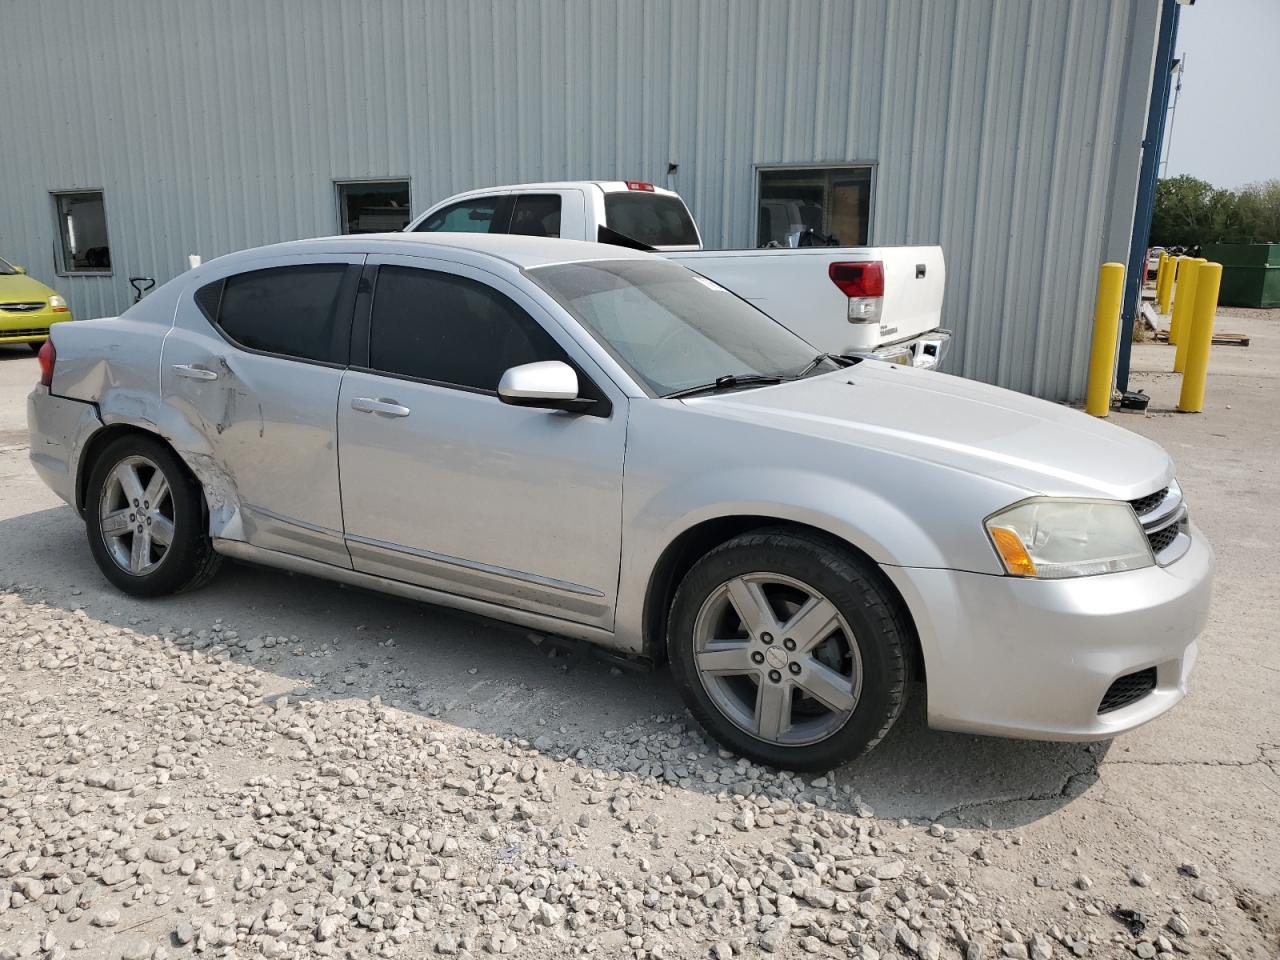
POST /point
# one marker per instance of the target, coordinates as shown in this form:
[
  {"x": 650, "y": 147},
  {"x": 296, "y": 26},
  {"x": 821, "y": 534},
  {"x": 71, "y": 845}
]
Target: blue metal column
[{"x": 1136, "y": 272}]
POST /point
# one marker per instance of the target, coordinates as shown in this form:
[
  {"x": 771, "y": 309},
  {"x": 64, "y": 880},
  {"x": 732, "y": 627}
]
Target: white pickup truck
[{"x": 881, "y": 302}]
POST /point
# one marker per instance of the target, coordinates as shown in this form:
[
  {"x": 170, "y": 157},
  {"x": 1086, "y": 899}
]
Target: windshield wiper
[
  {"x": 813, "y": 364},
  {"x": 728, "y": 382}
]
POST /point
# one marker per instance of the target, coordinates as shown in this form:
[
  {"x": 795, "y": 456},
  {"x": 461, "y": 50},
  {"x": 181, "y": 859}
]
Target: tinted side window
[
  {"x": 208, "y": 298},
  {"x": 449, "y": 329},
  {"x": 302, "y": 311},
  {"x": 536, "y": 215},
  {"x": 469, "y": 216}
]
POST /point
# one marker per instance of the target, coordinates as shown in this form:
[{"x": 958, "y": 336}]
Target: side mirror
[
  {"x": 18, "y": 269},
  {"x": 549, "y": 384}
]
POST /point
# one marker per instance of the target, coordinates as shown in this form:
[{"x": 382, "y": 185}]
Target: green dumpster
[{"x": 1250, "y": 273}]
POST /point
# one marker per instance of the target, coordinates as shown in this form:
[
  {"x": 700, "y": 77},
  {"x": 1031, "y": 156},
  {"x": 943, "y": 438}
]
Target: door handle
[
  {"x": 382, "y": 407},
  {"x": 193, "y": 371}
]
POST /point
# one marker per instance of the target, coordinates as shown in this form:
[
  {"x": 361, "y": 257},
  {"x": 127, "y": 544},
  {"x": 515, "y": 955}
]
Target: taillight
[
  {"x": 858, "y": 279},
  {"x": 639, "y": 185},
  {"x": 863, "y": 284},
  {"x": 47, "y": 357}
]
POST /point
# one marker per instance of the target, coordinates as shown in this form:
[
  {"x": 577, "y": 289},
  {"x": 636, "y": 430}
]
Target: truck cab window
[
  {"x": 536, "y": 215},
  {"x": 478, "y": 215}
]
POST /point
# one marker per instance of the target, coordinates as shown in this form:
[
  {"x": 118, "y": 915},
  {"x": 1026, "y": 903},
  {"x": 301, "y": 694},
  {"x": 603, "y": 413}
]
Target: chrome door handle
[
  {"x": 194, "y": 372},
  {"x": 382, "y": 407}
]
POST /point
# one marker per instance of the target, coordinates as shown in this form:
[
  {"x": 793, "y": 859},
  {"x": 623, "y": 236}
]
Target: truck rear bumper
[{"x": 925, "y": 351}]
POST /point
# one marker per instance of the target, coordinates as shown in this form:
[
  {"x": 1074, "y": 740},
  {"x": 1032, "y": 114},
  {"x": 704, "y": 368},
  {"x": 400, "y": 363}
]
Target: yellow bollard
[
  {"x": 1200, "y": 338},
  {"x": 1175, "y": 266},
  {"x": 1164, "y": 283},
  {"x": 1183, "y": 307},
  {"x": 1106, "y": 327}
]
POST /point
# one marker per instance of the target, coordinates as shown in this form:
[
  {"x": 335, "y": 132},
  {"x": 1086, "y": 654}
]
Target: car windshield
[
  {"x": 6, "y": 268},
  {"x": 674, "y": 330}
]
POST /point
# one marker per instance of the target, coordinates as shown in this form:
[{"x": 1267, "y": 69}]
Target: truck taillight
[
  {"x": 863, "y": 284},
  {"x": 858, "y": 279},
  {"x": 47, "y": 357},
  {"x": 640, "y": 185}
]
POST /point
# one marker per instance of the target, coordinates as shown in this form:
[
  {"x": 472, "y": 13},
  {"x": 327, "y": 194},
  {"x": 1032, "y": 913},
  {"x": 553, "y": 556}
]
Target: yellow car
[{"x": 27, "y": 307}]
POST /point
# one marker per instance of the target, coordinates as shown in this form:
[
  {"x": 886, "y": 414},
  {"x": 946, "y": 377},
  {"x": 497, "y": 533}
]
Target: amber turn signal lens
[{"x": 1012, "y": 552}]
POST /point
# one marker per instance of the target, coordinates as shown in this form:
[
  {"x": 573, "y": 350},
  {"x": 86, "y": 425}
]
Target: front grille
[
  {"x": 1162, "y": 539},
  {"x": 25, "y": 307},
  {"x": 1128, "y": 689},
  {"x": 26, "y": 332},
  {"x": 1144, "y": 505},
  {"x": 1164, "y": 519}
]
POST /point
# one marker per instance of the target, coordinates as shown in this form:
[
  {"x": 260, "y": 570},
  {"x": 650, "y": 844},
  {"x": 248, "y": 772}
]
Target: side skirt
[{"x": 240, "y": 550}]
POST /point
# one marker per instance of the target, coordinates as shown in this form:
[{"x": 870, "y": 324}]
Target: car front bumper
[
  {"x": 29, "y": 327},
  {"x": 1034, "y": 658}
]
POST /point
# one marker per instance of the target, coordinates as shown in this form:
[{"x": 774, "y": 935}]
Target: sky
[{"x": 1227, "y": 125}]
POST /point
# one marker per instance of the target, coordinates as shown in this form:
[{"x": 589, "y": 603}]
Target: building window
[
  {"x": 82, "y": 226},
  {"x": 373, "y": 206},
  {"x": 814, "y": 206}
]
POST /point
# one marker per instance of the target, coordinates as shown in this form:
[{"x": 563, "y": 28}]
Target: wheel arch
[
  {"x": 695, "y": 542},
  {"x": 103, "y": 438}
]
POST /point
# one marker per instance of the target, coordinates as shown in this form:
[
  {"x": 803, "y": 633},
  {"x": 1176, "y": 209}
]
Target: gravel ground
[{"x": 279, "y": 767}]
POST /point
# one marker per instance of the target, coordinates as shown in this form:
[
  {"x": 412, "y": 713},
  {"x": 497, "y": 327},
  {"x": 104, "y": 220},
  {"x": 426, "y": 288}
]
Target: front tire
[
  {"x": 145, "y": 518},
  {"x": 789, "y": 649}
]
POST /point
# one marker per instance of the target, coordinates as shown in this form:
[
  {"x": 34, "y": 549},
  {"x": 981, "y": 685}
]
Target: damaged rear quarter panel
[{"x": 114, "y": 363}]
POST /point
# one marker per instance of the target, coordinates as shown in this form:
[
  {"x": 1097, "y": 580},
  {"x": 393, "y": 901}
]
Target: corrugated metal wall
[{"x": 1008, "y": 131}]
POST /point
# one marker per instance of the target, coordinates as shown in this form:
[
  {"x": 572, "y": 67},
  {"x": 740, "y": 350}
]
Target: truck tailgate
[{"x": 914, "y": 278}]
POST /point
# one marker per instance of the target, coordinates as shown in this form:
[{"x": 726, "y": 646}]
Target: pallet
[{"x": 1219, "y": 339}]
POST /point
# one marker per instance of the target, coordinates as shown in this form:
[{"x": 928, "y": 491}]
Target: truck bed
[{"x": 794, "y": 287}]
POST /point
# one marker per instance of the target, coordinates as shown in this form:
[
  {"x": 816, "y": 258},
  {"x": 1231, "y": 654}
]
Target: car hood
[
  {"x": 1038, "y": 446},
  {"x": 18, "y": 287}
]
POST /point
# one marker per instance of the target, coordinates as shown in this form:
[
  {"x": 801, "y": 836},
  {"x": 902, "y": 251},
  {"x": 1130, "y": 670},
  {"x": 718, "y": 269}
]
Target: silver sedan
[{"x": 603, "y": 445}]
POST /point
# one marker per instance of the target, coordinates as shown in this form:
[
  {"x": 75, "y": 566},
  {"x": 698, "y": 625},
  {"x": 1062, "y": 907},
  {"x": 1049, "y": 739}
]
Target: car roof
[{"x": 520, "y": 251}]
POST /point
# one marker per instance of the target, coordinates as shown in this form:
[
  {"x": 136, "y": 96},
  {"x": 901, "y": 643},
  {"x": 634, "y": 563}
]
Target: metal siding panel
[{"x": 1002, "y": 129}]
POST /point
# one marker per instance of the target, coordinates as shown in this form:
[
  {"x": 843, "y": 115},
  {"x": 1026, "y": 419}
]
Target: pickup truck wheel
[
  {"x": 788, "y": 650},
  {"x": 145, "y": 519}
]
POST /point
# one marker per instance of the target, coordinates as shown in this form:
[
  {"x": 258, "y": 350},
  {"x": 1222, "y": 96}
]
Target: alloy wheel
[
  {"x": 777, "y": 659},
  {"x": 136, "y": 515}
]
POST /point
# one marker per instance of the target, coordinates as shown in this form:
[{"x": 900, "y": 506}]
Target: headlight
[
  {"x": 1054, "y": 538},
  {"x": 58, "y": 304}
]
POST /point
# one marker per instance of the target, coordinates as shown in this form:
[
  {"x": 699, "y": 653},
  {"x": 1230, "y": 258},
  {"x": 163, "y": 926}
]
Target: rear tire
[
  {"x": 145, "y": 517},
  {"x": 814, "y": 673}
]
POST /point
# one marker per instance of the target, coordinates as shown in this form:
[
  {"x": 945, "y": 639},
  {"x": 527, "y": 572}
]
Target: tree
[
  {"x": 1190, "y": 212},
  {"x": 1258, "y": 210}
]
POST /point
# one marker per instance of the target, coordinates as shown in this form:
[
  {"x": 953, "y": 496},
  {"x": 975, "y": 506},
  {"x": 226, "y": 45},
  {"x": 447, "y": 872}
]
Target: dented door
[{"x": 269, "y": 418}]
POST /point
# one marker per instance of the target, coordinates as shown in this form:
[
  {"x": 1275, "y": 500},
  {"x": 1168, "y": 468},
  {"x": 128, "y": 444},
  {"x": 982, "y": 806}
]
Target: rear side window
[
  {"x": 299, "y": 311},
  {"x": 536, "y": 215},
  {"x": 654, "y": 219},
  {"x": 481, "y": 215},
  {"x": 449, "y": 329}
]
